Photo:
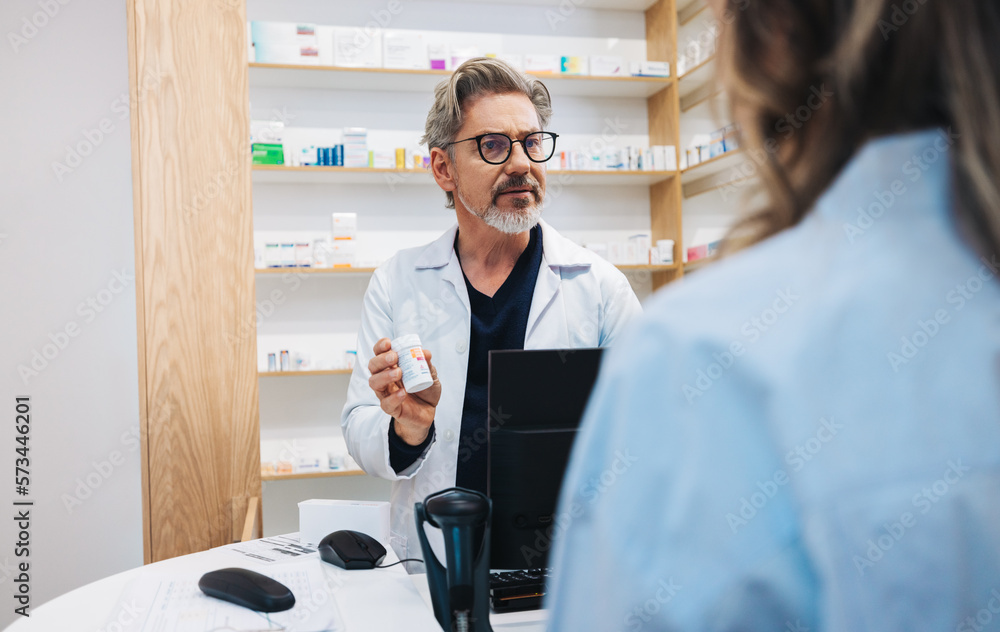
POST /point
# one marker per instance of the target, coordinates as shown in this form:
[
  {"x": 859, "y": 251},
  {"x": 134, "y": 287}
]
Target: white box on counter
[{"x": 320, "y": 517}]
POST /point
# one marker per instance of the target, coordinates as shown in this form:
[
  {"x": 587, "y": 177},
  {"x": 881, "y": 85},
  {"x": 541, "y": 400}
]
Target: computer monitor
[{"x": 536, "y": 400}]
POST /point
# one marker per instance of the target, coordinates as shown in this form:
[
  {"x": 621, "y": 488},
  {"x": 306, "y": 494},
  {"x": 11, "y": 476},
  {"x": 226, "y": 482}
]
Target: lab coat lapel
[
  {"x": 440, "y": 256},
  {"x": 452, "y": 273},
  {"x": 546, "y": 305},
  {"x": 546, "y": 289}
]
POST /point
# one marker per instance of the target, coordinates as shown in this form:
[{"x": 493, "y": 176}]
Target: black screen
[{"x": 536, "y": 400}]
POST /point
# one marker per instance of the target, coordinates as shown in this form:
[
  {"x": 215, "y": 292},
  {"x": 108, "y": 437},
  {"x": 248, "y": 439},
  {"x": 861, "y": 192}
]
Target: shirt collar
[
  {"x": 557, "y": 251},
  {"x": 914, "y": 167}
]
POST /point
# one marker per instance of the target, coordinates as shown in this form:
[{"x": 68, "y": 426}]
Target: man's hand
[{"x": 414, "y": 413}]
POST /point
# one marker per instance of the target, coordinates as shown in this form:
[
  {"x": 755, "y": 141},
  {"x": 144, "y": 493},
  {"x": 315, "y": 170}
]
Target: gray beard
[{"x": 507, "y": 222}]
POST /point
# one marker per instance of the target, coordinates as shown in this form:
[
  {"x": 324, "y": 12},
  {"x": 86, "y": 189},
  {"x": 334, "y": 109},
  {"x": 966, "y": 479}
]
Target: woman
[{"x": 812, "y": 426}]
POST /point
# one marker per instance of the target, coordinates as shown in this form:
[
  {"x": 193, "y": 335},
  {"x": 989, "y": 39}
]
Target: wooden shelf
[
  {"x": 712, "y": 173},
  {"x": 291, "y": 270},
  {"x": 303, "y": 373},
  {"x": 689, "y": 11},
  {"x": 698, "y": 263},
  {"x": 304, "y": 475},
  {"x": 665, "y": 267},
  {"x": 712, "y": 165},
  {"x": 701, "y": 96},
  {"x": 697, "y": 80},
  {"x": 280, "y": 174},
  {"x": 393, "y": 80},
  {"x": 610, "y": 178}
]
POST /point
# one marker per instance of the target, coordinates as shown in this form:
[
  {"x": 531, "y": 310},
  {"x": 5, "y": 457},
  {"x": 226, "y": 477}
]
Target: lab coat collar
[{"x": 557, "y": 251}]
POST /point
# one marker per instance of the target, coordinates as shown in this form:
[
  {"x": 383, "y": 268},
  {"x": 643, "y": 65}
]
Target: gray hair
[{"x": 477, "y": 77}]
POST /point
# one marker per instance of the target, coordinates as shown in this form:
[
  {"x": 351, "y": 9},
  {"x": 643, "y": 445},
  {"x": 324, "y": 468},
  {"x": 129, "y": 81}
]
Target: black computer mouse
[
  {"x": 352, "y": 550},
  {"x": 246, "y": 588}
]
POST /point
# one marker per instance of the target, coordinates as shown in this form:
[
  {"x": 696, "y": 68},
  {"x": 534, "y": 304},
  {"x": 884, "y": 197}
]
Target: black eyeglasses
[{"x": 495, "y": 148}]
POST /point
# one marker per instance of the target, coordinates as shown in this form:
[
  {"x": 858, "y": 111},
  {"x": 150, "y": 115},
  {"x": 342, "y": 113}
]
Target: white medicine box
[
  {"x": 345, "y": 225},
  {"x": 319, "y": 518}
]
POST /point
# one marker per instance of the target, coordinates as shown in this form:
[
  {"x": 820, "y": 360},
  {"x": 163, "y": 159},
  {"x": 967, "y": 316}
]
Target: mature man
[{"x": 500, "y": 279}]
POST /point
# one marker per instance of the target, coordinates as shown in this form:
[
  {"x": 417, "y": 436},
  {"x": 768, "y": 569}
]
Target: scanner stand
[{"x": 459, "y": 593}]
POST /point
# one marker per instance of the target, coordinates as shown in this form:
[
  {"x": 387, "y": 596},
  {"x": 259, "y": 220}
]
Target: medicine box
[
  {"x": 267, "y": 132},
  {"x": 606, "y": 66},
  {"x": 267, "y": 154},
  {"x": 285, "y": 43},
  {"x": 343, "y": 253},
  {"x": 404, "y": 50},
  {"x": 573, "y": 65},
  {"x": 650, "y": 68},
  {"x": 319, "y": 518},
  {"x": 542, "y": 63},
  {"x": 345, "y": 225},
  {"x": 357, "y": 48},
  {"x": 515, "y": 60},
  {"x": 439, "y": 56}
]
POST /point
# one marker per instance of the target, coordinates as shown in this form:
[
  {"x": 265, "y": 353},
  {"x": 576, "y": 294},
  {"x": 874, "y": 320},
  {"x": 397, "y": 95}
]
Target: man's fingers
[
  {"x": 382, "y": 361},
  {"x": 381, "y": 381},
  {"x": 427, "y": 356},
  {"x": 391, "y": 405}
]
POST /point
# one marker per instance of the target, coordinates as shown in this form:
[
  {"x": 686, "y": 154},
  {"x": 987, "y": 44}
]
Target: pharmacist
[{"x": 500, "y": 279}]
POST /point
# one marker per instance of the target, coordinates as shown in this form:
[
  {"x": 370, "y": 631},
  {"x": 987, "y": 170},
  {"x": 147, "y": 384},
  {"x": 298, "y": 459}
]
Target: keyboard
[{"x": 518, "y": 590}]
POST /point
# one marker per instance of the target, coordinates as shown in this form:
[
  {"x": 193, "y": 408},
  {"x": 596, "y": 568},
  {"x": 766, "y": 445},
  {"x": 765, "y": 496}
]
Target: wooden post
[
  {"x": 200, "y": 427},
  {"x": 664, "y": 129}
]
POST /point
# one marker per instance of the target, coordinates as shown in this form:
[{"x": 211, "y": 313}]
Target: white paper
[
  {"x": 167, "y": 603},
  {"x": 280, "y": 548}
]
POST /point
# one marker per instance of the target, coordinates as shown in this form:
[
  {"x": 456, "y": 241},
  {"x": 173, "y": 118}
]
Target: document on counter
[
  {"x": 280, "y": 548},
  {"x": 162, "y": 603}
]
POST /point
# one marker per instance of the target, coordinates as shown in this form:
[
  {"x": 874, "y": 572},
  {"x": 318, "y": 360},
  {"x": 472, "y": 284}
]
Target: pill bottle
[{"x": 416, "y": 372}]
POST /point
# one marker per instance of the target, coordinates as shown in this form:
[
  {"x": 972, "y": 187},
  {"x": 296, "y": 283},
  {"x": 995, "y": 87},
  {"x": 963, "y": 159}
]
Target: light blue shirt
[{"x": 805, "y": 436}]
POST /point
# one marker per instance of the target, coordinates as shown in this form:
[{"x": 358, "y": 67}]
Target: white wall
[{"x": 62, "y": 243}]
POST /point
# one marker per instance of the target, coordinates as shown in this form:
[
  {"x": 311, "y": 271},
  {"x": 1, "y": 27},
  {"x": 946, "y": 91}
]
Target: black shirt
[{"x": 497, "y": 322}]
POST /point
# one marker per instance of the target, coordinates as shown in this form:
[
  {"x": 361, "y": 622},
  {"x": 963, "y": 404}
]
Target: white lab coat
[{"x": 580, "y": 300}]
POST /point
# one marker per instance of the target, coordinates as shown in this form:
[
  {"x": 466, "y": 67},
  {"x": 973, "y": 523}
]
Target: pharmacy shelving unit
[
  {"x": 662, "y": 97},
  {"x": 704, "y": 108}
]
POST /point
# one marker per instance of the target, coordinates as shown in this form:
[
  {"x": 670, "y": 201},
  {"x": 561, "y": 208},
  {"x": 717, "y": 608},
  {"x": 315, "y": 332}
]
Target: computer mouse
[
  {"x": 246, "y": 588},
  {"x": 351, "y": 550}
]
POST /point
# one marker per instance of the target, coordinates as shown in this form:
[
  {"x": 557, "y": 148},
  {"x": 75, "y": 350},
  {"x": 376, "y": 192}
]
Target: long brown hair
[{"x": 883, "y": 67}]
